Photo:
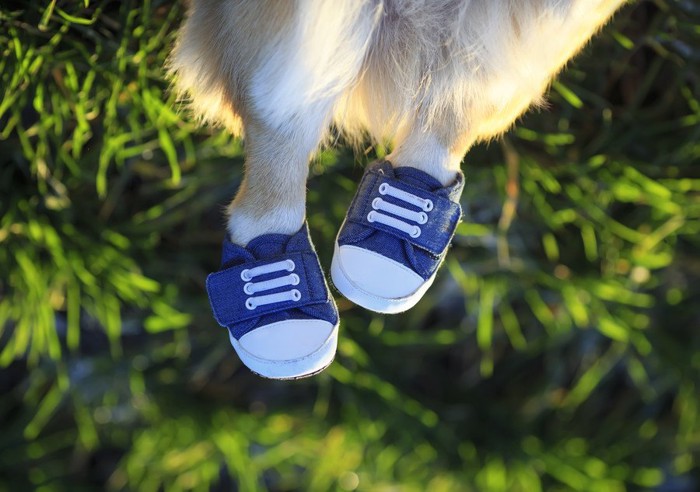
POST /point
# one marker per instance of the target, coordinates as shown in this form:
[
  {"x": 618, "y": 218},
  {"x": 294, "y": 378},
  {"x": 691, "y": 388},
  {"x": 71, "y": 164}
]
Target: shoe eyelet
[
  {"x": 383, "y": 188},
  {"x": 247, "y": 287},
  {"x": 370, "y": 216},
  {"x": 376, "y": 203},
  {"x": 295, "y": 279},
  {"x": 428, "y": 205},
  {"x": 291, "y": 265},
  {"x": 423, "y": 218},
  {"x": 416, "y": 232},
  {"x": 296, "y": 295},
  {"x": 245, "y": 275},
  {"x": 250, "y": 305}
]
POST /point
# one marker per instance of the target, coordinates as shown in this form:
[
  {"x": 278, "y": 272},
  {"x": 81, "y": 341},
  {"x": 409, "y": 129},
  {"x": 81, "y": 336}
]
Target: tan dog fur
[{"x": 429, "y": 77}]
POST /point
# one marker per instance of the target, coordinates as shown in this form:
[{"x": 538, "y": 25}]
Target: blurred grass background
[{"x": 558, "y": 349}]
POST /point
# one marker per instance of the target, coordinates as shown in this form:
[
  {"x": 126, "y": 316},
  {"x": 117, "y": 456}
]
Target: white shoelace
[
  {"x": 251, "y": 288},
  {"x": 418, "y": 217}
]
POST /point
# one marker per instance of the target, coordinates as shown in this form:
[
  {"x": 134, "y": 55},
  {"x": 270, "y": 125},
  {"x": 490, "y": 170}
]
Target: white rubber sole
[
  {"x": 299, "y": 368},
  {"x": 361, "y": 297}
]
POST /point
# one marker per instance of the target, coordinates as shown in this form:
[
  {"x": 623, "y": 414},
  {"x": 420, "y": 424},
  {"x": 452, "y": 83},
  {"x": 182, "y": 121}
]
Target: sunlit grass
[{"x": 558, "y": 349}]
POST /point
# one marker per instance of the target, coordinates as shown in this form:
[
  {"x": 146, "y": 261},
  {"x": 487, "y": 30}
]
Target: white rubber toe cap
[
  {"x": 376, "y": 282},
  {"x": 378, "y": 275},
  {"x": 286, "y": 340},
  {"x": 288, "y": 349}
]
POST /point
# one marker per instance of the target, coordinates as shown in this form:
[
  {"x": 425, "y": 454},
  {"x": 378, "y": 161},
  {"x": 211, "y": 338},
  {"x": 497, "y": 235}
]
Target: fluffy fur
[{"x": 430, "y": 77}]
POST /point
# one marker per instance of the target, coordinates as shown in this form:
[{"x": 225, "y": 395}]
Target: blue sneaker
[
  {"x": 273, "y": 298},
  {"x": 394, "y": 237}
]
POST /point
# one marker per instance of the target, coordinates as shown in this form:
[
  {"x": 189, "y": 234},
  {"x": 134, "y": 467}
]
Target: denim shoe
[
  {"x": 273, "y": 298},
  {"x": 394, "y": 237}
]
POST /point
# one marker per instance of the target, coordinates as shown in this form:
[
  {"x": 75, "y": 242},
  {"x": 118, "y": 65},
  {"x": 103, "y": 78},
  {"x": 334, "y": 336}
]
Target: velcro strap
[
  {"x": 436, "y": 234},
  {"x": 227, "y": 298}
]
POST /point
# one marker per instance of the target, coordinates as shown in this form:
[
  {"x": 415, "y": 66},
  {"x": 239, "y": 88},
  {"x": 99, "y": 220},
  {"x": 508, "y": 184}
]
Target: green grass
[{"x": 558, "y": 349}]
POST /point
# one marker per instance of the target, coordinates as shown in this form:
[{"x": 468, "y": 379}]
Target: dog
[{"x": 427, "y": 77}]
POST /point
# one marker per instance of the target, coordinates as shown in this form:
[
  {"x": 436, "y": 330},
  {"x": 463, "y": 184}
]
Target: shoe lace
[
  {"x": 379, "y": 204},
  {"x": 251, "y": 288}
]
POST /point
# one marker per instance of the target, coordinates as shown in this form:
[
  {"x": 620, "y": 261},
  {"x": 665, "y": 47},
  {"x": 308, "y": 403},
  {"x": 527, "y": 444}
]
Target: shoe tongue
[
  {"x": 268, "y": 245},
  {"x": 417, "y": 178}
]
